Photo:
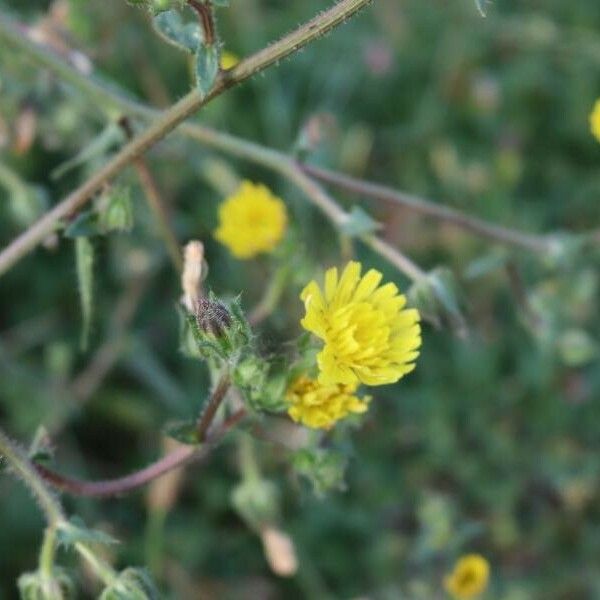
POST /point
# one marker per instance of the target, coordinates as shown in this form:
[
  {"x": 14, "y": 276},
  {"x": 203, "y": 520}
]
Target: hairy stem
[
  {"x": 479, "y": 227},
  {"x": 208, "y": 414},
  {"x": 113, "y": 487},
  {"x": 100, "y": 567},
  {"x": 22, "y": 467},
  {"x": 169, "y": 119}
]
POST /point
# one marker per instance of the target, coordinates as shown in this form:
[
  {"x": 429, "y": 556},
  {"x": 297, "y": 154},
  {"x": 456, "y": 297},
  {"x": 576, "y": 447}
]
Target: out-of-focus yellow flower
[
  {"x": 369, "y": 336},
  {"x": 595, "y": 120},
  {"x": 469, "y": 578},
  {"x": 252, "y": 220},
  {"x": 321, "y": 406},
  {"x": 229, "y": 60}
]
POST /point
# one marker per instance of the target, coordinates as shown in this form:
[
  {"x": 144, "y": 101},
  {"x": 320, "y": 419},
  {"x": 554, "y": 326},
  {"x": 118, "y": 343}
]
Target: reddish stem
[
  {"x": 204, "y": 12},
  {"x": 113, "y": 487}
]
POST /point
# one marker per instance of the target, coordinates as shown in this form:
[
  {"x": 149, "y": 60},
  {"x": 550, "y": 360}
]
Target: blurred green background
[{"x": 492, "y": 445}]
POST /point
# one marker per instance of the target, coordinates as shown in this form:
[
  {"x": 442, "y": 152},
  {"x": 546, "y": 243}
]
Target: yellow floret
[
  {"x": 251, "y": 221},
  {"x": 369, "y": 337}
]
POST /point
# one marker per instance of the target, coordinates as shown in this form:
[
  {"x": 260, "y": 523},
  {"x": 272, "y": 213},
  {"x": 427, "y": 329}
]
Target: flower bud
[
  {"x": 212, "y": 316},
  {"x": 37, "y": 586},
  {"x": 131, "y": 584}
]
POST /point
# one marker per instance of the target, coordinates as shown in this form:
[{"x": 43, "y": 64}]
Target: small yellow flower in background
[
  {"x": 369, "y": 337},
  {"x": 321, "y": 406},
  {"x": 252, "y": 220},
  {"x": 229, "y": 60},
  {"x": 469, "y": 578},
  {"x": 595, "y": 120}
]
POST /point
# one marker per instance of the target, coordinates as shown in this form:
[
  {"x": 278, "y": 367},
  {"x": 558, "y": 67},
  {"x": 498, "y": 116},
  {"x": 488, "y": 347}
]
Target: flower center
[{"x": 359, "y": 334}]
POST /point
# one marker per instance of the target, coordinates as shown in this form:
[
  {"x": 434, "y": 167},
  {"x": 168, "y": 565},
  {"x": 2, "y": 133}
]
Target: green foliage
[
  {"x": 131, "y": 584},
  {"x": 489, "y": 446},
  {"x": 84, "y": 258},
  {"x": 75, "y": 532},
  {"x": 37, "y": 586}
]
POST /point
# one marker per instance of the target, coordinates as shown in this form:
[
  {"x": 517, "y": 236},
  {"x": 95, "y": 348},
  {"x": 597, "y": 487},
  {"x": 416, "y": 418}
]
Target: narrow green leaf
[
  {"x": 185, "y": 36},
  {"x": 207, "y": 67},
  {"x": 84, "y": 225},
  {"x": 359, "y": 223},
  {"x": 182, "y": 431},
  {"x": 75, "y": 531},
  {"x": 84, "y": 255}
]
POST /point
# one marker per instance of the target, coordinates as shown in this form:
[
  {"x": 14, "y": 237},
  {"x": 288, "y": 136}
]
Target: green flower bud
[
  {"x": 132, "y": 584},
  {"x": 37, "y": 586}
]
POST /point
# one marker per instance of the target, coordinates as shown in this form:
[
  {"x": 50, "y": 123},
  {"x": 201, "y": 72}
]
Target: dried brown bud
[
  {"x": 192, "y": 275},
  {"x": 279, "y": 551}
]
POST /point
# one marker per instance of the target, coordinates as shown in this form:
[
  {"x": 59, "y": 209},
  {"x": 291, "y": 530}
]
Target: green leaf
[
  {"x": 324, "y": 469},
  {"x": 221, "y": 3},
  {"x": 84, "y": 255},
  {"x": 256, "y": 502},
  {"x": 110, "y": 136},
  {"x": 75, "y": 532},
  {"x": 40, "y": 449},
  {"x": 359, "y": 223},
  {"x": 487, "y": 263},
  {"x": 182, "y": 431},
  {"x": 480, "y": 4},
  {"x": 577, "y": 348},
  {"x": 37, "y": 586},
  {"x": 115, "y": 210},
  {"x": 132, "y": 584},
  {"x": 185, "y": 36},
  {"x": 84, "y": 225},
  {"x": 206, "y": 67}
]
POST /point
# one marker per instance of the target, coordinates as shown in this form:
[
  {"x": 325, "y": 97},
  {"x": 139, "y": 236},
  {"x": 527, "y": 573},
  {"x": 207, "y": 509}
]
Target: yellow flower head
[
  {"x": 469, "y": 578},
  {"x": 229, "y": 60},
  {"x": 369, "y": 337},
  {"x": 252, "y": 220},
  {"x": 320, "y": 406},
  {"x": 595, "y": 120}
]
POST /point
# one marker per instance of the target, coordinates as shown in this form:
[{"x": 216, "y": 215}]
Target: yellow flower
[
  {"x": 252, "y": 220},
  {"x": 595, "y": 120},
  {"x": 320, "y": 406},
  {"x": 229, "y": 60},
  {"x": 469, "y": 578},
  {"x": 369, "y": 337}
]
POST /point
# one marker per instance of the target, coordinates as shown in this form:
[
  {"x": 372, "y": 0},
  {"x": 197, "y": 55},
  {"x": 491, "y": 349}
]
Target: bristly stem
[
  {"x": 169, "y": 119},
  {"x": 208, "y": 414},
  {"x": 204, "y": 11},
  {"x": 182, "y": 456},
  {"x": 22, "y": 467},
  {"x": 479, "y": 227}
]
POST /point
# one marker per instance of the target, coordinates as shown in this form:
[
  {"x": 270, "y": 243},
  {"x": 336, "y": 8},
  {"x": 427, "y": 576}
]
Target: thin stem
[
  {"x": 23, "y": 468},
  {"x": 169, "y": 119},
  {"x": 180, "y": 457},
  {"x": 155, "y": 202},
  {"x": 100, "y": 567},
  {"x": 207, "y": 22},
  {"x": 320, "y": 198},
  {"x": 395, "y": 257},
  {"x": 267, "y": 304},
  {"x": 113, "y": 101},
  {"x": 208, "y": 414},
  {"x": 48, "y": 552},
  {"x": 479, "y": 227}
]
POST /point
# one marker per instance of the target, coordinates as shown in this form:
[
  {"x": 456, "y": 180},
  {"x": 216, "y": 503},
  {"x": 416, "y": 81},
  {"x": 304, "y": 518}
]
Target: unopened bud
[
  {"x": 37, "y": 586},
  {"x": 212, "y": 316}
]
